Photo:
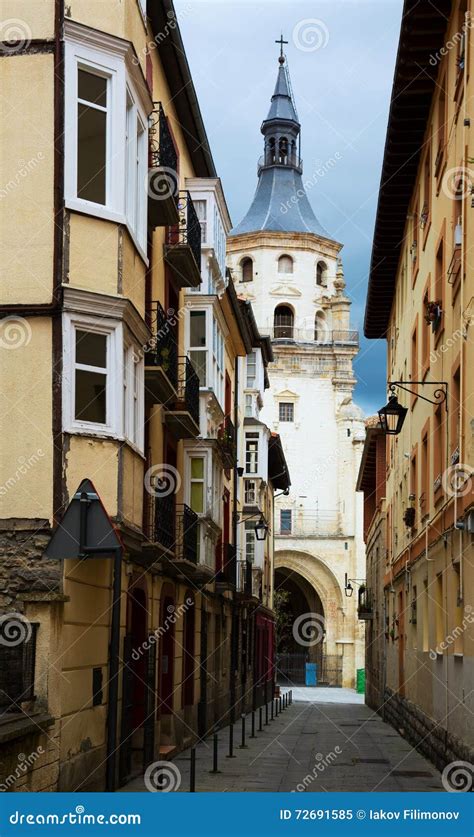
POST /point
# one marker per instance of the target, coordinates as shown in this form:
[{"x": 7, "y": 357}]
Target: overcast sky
[{"x": 341, "y": 57}]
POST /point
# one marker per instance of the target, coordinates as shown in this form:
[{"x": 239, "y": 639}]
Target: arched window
[
  {"x": 271, "y": 150},
  {"x": 283, "y": 150},
  {"x": 283, "y": 320},
  {"x": 247, "y": 270},
  {"x": 321, "y": 274},
  {"x": 320, "y": 328},
  {"x": 285, "y": 264}
]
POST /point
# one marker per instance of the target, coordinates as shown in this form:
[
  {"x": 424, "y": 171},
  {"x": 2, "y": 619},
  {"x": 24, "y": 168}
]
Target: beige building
[
  {"x": 121, "y": 339},
  {"x": 420, "y": 299}
]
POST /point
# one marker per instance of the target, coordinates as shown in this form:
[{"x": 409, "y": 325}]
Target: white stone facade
[{"x": 318, "y": 527}]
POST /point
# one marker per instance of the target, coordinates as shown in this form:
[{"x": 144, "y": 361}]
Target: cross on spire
[{"x": 281, "y": 42}]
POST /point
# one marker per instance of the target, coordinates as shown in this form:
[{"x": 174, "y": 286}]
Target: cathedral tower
[{"x": 285, "y": 263}]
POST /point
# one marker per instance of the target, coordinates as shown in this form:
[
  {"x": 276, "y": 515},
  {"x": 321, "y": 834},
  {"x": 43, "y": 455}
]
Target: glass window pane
[
  {"x": 198, "y": 328},
  {"x": 91, "y": 153},
  {"x": 90, "y": 397},
  {"x": 197, "y": 468},
  {"x": 92, "y": 88},
  {"x": 197, "y": 497},
  {"x": 91, "y": 348},
  {"x": 198, "y": 359}
]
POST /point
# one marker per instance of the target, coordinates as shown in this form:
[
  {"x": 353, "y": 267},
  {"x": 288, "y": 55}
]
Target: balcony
[
  {"x": 227, "y": 443},
  {"x": 187, "y": 531},
  {"x": 284, "y": 331},
  {"x": 308, "y": 523},
  {"x": 183, "y": 245},
  {"x": 163, "y": 176},
  {"x": 17, "y": 664},
  {"x": 249, "y": 581},
  {"x": 182, "y": 418},
  {"x": 226, "y": 578},
  {"x": 162, "y": 530},
  {"x": 161, "y": 360},
  {"x": 365, "y": 610}
]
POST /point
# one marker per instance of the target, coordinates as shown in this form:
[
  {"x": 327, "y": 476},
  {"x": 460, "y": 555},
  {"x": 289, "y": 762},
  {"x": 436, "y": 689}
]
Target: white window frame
[
  {"x": 252, "y": 438},
  {"x": 251, "y": 365},
  {"x": 289, "y": 514},
  {"x": 119, "y": 85},
  {"x": 286, "y": 405},
  {"x": 113, "y": 330},
  {"x": 133, "y": 396}
]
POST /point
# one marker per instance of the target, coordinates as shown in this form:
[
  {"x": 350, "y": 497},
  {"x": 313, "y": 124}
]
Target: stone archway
[{"x": 315, "y": 606}]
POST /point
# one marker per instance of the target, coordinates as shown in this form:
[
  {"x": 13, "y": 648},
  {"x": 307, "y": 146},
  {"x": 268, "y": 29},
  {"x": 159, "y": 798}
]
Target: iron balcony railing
[
  {"x": 249, "y": 579},
  {"x": 309, "y": 523},
  {"x": 164, "y": 519},
  {"x": 284, "y": 329},
  {"x": 162, "y": 149},
  {"x": 228, "y": 572},
  {"x": 187, "y": 532},
  {"x": 188, "y": 388},
  {"x": 365, "y": 607},
  {"x": 282, "y": 158},
  {"x": 162, "y": 349},
  {"x": 227, "y": 442},
  {"x": 187, "y": 233},
  {"x": 17, "y": 663}
]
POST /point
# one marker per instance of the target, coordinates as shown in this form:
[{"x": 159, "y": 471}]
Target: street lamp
[
  {"x": 261, "y": 529},
  {"x": 392, "y": 416}
]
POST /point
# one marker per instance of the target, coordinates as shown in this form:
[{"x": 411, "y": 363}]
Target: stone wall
[
  {"x": 428, "y": 736},
  {"x": 23, "y": 568}
]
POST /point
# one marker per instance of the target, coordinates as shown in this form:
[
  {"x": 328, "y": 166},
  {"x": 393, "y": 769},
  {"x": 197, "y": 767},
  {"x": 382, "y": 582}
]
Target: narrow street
[{"x": 327, "y": 740}]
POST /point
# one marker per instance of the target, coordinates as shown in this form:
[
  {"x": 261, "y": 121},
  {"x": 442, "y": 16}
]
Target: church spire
[{"x": 280, "y": 202}]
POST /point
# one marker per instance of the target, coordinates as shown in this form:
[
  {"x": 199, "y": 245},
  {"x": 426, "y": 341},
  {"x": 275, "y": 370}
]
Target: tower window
[
  {"x": 320, "y": 328},
  {"x": 283, "y": 322},
  {"x": 286, "y": 411},
  {"x": 247, "y": 270},
  {"x": 285, "y": 522},
  {"x": 285, "y": 264},
  {"x": 322, "y": 274}
]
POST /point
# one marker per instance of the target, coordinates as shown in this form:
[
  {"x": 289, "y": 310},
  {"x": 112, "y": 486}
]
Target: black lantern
[
  {"x": 392, "y": 416},
  {"x": 261, "y": 529},
  {"x": 348, "y": 589}
]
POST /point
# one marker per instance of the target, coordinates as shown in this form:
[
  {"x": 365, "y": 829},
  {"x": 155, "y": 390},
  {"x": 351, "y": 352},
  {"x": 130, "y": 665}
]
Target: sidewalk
[{"x": 310, "y": 746}]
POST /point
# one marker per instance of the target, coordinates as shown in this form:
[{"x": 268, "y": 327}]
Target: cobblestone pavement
[{"x": 311, "y": 746}]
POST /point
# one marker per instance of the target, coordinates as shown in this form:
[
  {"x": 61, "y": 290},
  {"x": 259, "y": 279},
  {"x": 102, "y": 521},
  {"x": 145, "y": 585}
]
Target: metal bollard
[
  {"x": 281, "y": 702},
  {"x": 266, "y": 714},
  {"x": 291, "y": 696},
  {"x": 230, "y": 754},
  {"x": 260, "y": 719},
  {"x": 243, "y": 745},
  {"x": 192, "y": 771},
  {"x": 252, "y": 734},
  {"x": 271, "y": 707},
  {"x": 276, "y": 707},
  {"x": 215, "y": 755}
]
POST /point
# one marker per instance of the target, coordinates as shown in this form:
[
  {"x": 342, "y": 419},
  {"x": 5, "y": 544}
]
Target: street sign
[{"x": 86, "y": 530}]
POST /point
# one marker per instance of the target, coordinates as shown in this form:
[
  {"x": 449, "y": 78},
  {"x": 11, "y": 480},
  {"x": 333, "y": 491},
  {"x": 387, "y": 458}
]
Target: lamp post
[{"x": 393, "y": 415}]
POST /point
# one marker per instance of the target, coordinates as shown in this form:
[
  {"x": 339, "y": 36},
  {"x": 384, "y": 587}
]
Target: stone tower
[{"x": 285, "y": 263}]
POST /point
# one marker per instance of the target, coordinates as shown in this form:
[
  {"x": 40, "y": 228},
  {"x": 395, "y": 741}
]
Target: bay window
[
  {"x": 206, "y": 350},
  {"x": 251, "y": 453},
  {"x": 106, "y": 136},
  {"x": 95, "y": 361},
  {"x": 198, "y": 344},
  {"x": 197, "y": 484}
]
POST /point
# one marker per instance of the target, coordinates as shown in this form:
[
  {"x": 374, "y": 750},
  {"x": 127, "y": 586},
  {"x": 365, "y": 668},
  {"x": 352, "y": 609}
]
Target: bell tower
[{"x": 290, "y": 268}]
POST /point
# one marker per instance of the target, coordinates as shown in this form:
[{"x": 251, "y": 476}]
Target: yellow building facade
[
  {"x": 420, "y": 299},
  {"x": 113, "y": 234}
]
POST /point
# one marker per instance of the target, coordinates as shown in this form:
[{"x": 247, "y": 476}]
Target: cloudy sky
[{"x": 341, "y": 57}]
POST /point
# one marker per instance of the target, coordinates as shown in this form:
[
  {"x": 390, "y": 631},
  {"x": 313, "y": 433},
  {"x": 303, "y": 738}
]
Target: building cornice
[{"x": 81, "y": 301}]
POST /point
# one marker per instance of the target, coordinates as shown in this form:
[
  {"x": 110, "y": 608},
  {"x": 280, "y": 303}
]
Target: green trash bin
[{"x": 361, "y": 681}]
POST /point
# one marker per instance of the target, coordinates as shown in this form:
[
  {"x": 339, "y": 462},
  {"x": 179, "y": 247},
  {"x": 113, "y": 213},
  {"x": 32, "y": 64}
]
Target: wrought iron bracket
[{"x": 440, "y": 395}]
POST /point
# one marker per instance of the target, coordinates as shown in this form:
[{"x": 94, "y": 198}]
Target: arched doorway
[{"x": 307, "y": 612}]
